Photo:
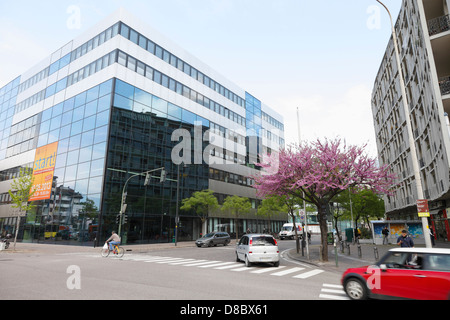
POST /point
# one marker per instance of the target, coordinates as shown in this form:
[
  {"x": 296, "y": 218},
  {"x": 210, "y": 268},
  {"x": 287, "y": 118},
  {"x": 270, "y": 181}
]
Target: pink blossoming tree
[{"x": 318, "y": 171}]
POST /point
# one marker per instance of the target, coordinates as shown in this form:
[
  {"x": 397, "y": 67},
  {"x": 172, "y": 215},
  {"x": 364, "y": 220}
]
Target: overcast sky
[{"x": 319, "y": 56}]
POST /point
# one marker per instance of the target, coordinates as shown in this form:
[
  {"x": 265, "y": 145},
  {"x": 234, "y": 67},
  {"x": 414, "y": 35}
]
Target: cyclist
[{"x": 113, "y": 240}]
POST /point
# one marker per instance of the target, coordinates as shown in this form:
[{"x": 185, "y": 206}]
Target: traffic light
[
  {"x": 118, "y": 219},
  {"x": 147, "y": 179},
  {"x": 125, "y": 219},
  {"x": 163, "y": 176}
]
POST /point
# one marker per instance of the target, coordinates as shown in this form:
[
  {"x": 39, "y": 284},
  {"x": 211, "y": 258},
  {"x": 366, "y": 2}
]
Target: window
[
  {"x": 133, "y": 36},
  {"x": 122, "y": 59},
  {"x": 140, "y": 68},
  {"x": 124, "y": 30},
  {"x": 142, "y": 42},
  {"x": 158, "y": 51},
  {"x": 131, "y": 63}
]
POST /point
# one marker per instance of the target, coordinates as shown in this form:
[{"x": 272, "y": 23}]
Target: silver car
[
  {"x": 258, "y": 248},
  {"x": 213, "y": 239}
]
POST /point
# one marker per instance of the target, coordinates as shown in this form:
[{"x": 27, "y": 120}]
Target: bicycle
[{"x": 118, "y": 251}]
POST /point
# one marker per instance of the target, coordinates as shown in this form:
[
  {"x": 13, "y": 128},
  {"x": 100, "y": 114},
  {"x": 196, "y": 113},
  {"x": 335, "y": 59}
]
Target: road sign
[{"x": 422, "y": 208}]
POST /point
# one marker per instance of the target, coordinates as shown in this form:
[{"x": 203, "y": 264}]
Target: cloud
[{"x": 348, "y": 116}]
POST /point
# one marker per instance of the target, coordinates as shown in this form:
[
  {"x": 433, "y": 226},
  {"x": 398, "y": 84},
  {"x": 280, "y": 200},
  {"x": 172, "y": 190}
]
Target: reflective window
[
  {"x": 124, "y": 89},
  {"x": 84, "y": 170}
]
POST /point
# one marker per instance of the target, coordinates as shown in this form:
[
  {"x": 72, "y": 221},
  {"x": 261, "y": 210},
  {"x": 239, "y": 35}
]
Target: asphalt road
[{"x": 189, "y": 273}]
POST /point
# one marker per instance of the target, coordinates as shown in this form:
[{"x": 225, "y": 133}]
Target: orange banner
[{"x": 44, "y": 166}]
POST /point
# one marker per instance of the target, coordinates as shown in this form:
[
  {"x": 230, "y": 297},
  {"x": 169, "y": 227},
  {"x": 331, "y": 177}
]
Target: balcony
[
  {"x": 439, "y": 24},
  {"x": 444, "y": 85}
]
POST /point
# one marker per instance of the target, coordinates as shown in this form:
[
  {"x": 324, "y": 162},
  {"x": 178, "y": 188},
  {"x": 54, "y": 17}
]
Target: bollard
[
  {"x": 348, "y": 248},
  {"x": 336, "y": 254},
  {"x": 375, "y": 251},
  {"x": 342, "y": 246},
  {"x": 359, "y": 251}
]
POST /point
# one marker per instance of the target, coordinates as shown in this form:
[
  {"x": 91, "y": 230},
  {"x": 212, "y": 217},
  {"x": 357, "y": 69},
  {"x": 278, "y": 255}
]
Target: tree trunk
[
  {"x": 297, "y": 243},
  {"x": 322, "y": 217},
  {"x": 17, "y": 231}
]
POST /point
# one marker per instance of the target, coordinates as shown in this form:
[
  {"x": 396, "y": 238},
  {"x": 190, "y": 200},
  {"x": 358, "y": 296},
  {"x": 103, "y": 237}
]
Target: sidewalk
[
  {"x": 346, "y": 260},
  {"x": 64, "y": 248}
]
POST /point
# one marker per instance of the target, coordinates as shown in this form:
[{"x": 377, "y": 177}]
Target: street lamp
[
  {"x": 123, "y": 205},
  {"x": 177, "y": 218},
  {"x": 412, "y": 145}
]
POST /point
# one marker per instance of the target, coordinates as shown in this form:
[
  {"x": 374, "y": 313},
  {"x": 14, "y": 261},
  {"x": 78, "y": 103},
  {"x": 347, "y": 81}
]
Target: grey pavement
[
  {"x": 64, "y": 248},
  {"x": 348, "y": 258}
]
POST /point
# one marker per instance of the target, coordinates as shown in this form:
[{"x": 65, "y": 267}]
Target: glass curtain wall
[
  {"x": 80, "y": 127},
  {"x": 140, "y": 140}
]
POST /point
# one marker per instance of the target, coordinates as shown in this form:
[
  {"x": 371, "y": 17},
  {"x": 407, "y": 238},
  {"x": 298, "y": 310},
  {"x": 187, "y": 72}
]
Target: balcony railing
[
  {"x": 439, "y": 24},
  {"x": 444, "y": 84}
]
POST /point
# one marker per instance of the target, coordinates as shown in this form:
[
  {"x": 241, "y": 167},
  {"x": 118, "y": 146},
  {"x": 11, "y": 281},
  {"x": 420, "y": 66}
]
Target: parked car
[
  {"x": 213, "y": 239},
  {"x": 258, "y": 248},
  {"x": 409, "y": 273}
]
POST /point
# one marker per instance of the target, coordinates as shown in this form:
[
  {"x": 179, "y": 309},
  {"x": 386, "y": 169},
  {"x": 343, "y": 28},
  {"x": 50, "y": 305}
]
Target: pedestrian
[
  {"x": 405, "y": 241},
  {"x": 432, "y": 236},
  {"x": 385, "y": 233},
  {"x": 248, "y": 231},
  {"x": 114, "y": 239}
]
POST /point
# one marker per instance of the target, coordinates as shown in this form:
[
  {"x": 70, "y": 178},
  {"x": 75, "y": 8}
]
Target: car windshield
[
  {"x": 263, "y": 241},
  {"x": 286, "y": 228},
  {"x": 209, "y": 235}
]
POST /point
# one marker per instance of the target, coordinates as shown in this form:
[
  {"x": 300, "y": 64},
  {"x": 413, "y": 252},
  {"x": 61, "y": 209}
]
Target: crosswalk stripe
[
  {"x": 216, "y": 265},
  {"x": 328, "y": 296},
  {"x": 242, "y": 269},
  {"x": 332, "y": 291},
  {"x": 308, "y": 274},
  {"x": 285, "y": 272},
  {"x": 229, "y": 266},
  {"x": 141, "y": 258},
  {"x": 170, "y": 260},
  {"x": 182, "y": 262},
  {"x": 199, "y": 263},
  {"x": 337, "y": 286},
  {"x": 157, "y": 259},
  {"x": 267, "y": 269}
]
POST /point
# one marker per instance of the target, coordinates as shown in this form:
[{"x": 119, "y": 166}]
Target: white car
[{"x": 258, "y": 248}]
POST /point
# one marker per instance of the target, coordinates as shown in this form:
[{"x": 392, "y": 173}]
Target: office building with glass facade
[{"x": 115, "y": 103}]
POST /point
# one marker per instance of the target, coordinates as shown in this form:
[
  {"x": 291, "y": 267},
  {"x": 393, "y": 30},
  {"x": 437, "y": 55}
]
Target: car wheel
[
  {"x": 355, "y": 289},
  {"x": 209, "y": 244},
  {"x": 276, "y": 264},
  {"x": 237, "y": 258},
  {"x": 247, "y": 263}
]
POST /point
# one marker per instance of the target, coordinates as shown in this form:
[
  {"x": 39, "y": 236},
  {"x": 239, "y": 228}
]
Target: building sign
[
  {"x": 422, "y": 208},
  {"x": 43, "y": 168}
]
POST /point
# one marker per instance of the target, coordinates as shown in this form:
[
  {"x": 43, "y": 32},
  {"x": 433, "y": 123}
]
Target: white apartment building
[{"x": 423, "y": 31}]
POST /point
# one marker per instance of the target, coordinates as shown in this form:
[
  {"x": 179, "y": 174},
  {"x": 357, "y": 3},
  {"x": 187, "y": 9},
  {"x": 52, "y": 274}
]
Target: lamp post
[
  {"x": 123, "y": 205},
  {"x": 412, "y": 146},
  {"x": 304, "y": 202}
]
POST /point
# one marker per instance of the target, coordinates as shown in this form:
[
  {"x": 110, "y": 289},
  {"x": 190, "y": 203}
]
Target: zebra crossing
[
  {"x": 294, "y": 272},
  {"x": 333, "y": 292}
]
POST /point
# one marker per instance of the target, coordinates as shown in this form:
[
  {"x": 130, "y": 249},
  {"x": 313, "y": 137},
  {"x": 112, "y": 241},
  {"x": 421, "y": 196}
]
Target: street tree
[
  {"x": 21, "y": 191},
  {"x": 270, "y": 207},
  {"x": 201, "y": 202},
  {"x": 237, "y": 206},
  {"x": 318, "y": 171}
]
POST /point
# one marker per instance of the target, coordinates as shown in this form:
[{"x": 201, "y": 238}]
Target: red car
[{"x": 408, "y": 273}]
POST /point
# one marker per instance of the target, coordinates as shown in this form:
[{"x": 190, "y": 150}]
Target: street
[{"x": 182, "y": 273}]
